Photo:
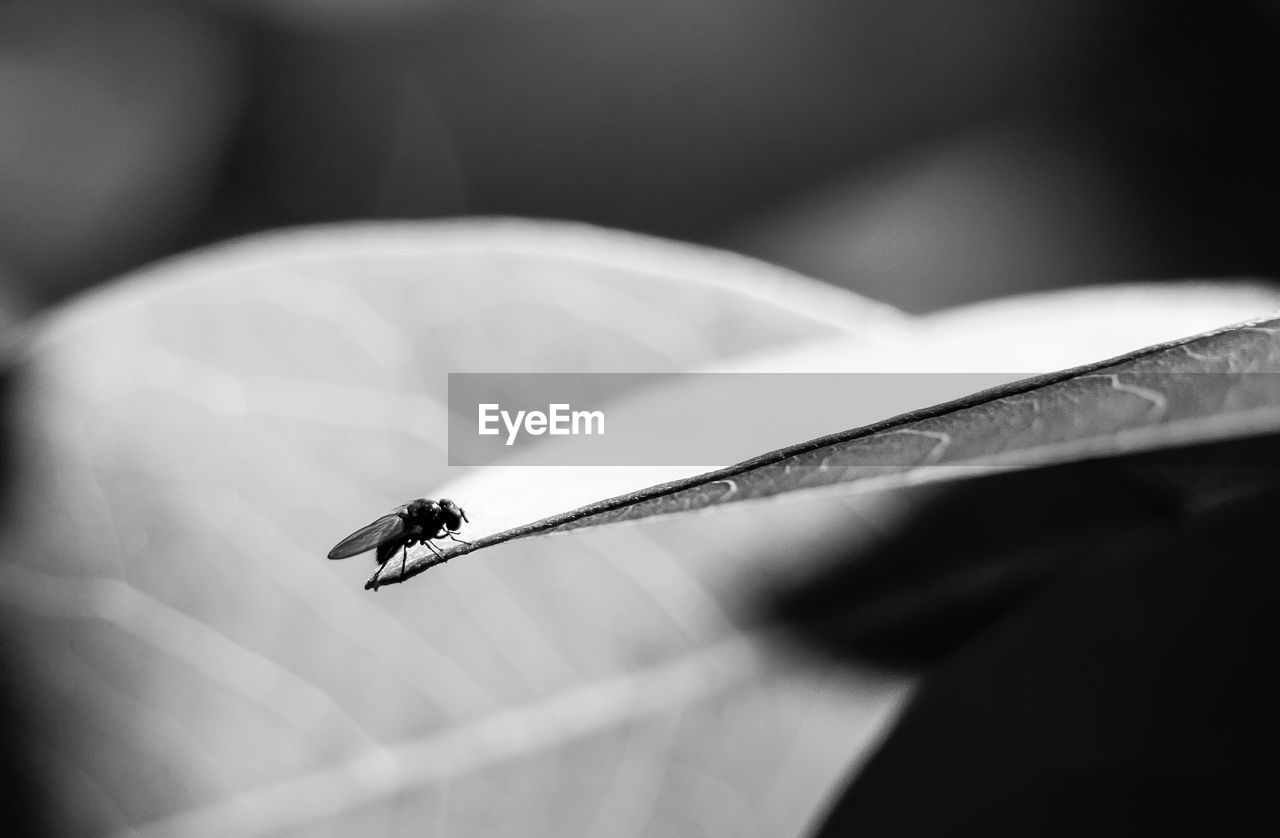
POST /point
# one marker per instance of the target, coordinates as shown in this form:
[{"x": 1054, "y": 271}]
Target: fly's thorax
[{"x": 422, "y": 508}]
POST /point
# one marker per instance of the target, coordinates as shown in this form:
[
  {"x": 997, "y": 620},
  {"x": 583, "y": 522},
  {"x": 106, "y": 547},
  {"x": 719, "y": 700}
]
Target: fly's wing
[{"x": 387, "y": 528}]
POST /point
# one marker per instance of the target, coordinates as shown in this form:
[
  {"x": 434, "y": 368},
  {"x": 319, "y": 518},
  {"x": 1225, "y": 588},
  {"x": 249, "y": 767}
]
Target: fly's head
[{"x": 452, "y": 515}]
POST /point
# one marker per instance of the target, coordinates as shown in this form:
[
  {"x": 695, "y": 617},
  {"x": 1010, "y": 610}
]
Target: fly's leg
[
  {"x": 445, "y": 532},
  {"x": 404, "y": 557}
]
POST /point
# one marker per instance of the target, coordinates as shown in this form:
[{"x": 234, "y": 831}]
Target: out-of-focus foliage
[{"x": 185, "y": 446}]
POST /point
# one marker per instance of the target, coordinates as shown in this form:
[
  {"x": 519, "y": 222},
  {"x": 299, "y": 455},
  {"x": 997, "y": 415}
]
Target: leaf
[
  {"x": 187, "y": 444},
  {"x": 939, "y": 360},
  {"x": 1214, "y": 386}
]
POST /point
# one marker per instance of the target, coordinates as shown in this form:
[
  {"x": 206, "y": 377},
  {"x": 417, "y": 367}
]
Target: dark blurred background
[{"x": 921, "y": 152}]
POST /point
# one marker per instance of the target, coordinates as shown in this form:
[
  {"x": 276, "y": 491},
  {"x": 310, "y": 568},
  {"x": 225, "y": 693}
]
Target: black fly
[{"x": 417, "y": 522}]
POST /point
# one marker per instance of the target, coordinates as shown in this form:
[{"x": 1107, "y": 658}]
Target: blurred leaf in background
[{"x": 186, "y": 445}]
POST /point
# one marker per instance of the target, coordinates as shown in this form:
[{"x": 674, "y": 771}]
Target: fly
[{"x": 416, "y": 522}]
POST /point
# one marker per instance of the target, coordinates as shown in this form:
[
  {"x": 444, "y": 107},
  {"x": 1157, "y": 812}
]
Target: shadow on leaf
[
  {"x": 1098, "y": 663},
  {"x": 974, "y": 552}
]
